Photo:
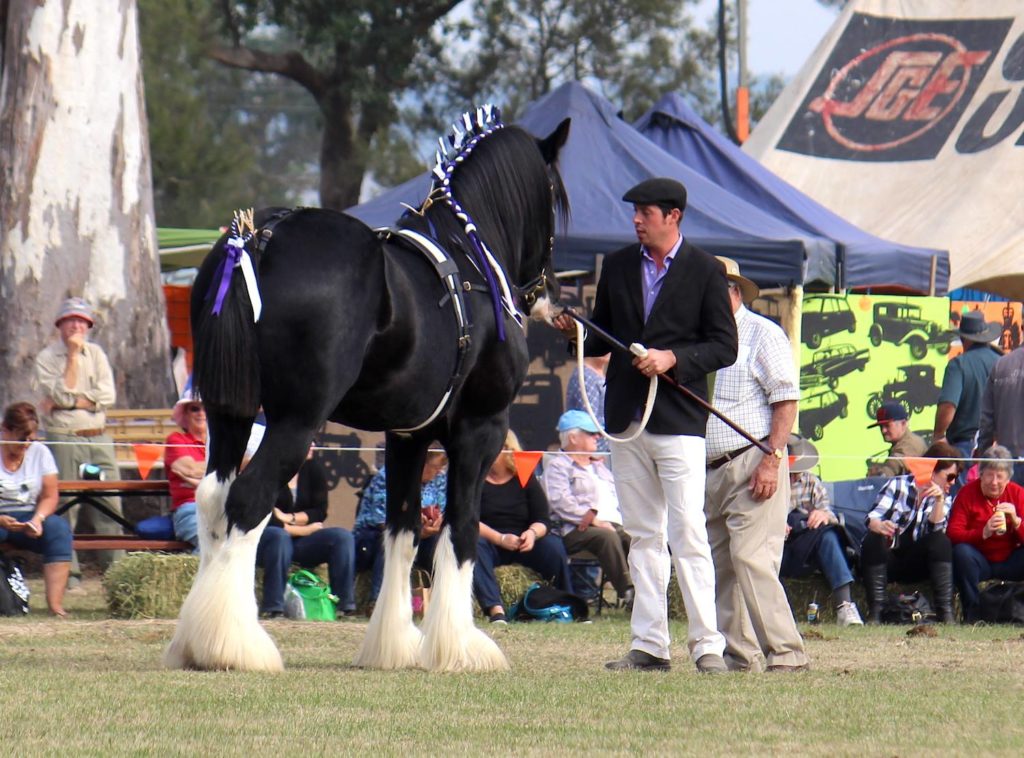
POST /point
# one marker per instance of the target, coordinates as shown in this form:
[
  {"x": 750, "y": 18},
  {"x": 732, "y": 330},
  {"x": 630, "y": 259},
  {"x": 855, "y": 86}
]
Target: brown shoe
[
  {"x": 780, "y": 668},
  {"x": 638, "y": 660}
]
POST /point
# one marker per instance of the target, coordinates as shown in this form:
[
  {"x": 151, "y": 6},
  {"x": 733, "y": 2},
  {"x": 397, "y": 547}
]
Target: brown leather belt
[
  {"x": 87, "y": 432},
  {"x": 730, "y": 456}
]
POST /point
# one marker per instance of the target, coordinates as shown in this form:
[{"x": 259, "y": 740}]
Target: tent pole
[{"x": 932, "y": 275}]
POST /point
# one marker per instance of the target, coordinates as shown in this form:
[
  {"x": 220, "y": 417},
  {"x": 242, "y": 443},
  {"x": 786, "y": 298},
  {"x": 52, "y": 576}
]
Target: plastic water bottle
[{"x": 812, "y": 613}]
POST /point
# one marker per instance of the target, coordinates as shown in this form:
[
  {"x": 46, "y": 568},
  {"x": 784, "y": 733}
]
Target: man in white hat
[
  {"x": 814, "y": 541},
  {"x": 747, "y": 496},
  {"x": 74, "y": 378}
]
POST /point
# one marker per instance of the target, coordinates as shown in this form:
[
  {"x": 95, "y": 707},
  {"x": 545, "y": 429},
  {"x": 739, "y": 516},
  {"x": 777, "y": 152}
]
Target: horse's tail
[{"x": 226, "y": 363}]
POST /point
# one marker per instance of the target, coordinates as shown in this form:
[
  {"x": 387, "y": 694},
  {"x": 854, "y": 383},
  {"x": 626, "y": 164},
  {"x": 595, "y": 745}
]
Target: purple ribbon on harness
[
  {"x": 492, "y": 285},
  {"x": 234, "y": 250}
]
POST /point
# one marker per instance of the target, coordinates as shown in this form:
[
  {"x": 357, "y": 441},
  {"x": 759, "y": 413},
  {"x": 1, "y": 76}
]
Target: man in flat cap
[
  {"x": 671, "y": 297},
  {"x": 74, "y": 378}
]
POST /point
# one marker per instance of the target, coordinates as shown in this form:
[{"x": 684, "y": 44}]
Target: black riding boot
[
  {"x": 942, "y": 589},
  {"x": 876, "y": 580}
]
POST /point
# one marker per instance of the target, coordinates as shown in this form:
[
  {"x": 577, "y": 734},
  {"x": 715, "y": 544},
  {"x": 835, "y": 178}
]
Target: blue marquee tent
[
  {"x": 603, "y": 157},
  {"x": 865, "y": 260}
]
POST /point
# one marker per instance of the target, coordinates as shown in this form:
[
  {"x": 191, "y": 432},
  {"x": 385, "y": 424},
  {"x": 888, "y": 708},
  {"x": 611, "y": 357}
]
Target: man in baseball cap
[{"x": 892, "y": 420}]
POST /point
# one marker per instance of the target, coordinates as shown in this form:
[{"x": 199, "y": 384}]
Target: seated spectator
[
  {"x": 369, "y": 526},
  {"x": 814, "y": 541},
  {"x": 296, "y": 534},
  {"x": 514, "y": 523},
  {"x": 986, "y": 528},
  {"x": 893, "y": 423},
  {"x": 185, "y": 465},
  {"x": 584, "y": 506},
  {"x": 28, "y": 499},
  {"x": 907, "y": 538}
]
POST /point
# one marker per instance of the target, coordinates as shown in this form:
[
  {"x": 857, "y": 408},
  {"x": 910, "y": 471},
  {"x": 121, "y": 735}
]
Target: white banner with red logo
[{"x": 908, "y": 120}]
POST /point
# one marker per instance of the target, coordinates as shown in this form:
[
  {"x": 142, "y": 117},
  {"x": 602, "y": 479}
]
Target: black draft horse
[{"x": 315, "y": 316}]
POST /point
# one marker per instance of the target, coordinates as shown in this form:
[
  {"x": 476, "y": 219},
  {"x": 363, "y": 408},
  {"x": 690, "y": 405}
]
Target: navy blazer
[{"x": 692, "y": 316}]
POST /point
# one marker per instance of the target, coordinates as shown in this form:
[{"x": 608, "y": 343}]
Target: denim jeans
[
  {"x": 829, "y": 556},
  {"x": 548, "y": 558},
  {"x": 54, "y": 544},
  {"x": 186, "y": 524},
  {"x": 971, "y": 567},
  {"x": 278, "y": 550}
]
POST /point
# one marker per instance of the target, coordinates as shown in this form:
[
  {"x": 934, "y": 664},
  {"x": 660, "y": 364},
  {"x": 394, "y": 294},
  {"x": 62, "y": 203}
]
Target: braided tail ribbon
[{"x": 237, "y": 256}]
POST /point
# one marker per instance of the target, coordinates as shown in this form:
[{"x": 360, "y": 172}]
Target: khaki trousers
[
  {"x": 747, "y": 537},
  {"x": 71, "y": 452},
  {"x": 607, "y": 546}
]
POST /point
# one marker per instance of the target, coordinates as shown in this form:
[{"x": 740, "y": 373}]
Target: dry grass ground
[{"x": 94, "y": 686}]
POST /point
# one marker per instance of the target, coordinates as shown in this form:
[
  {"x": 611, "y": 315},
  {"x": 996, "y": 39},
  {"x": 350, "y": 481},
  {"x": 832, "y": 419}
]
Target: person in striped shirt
[{"x": 906, "y": 537}]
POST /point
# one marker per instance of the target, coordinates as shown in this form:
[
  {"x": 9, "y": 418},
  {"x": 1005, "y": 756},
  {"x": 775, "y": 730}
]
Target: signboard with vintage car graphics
[
  {"x": 859, "y": 351},
  {"x": 908, "y": 121}
]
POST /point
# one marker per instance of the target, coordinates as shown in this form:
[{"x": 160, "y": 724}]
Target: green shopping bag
[{"x": 309, "y": 597}]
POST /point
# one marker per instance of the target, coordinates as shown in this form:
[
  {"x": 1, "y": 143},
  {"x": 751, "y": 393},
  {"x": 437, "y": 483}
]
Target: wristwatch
[{"x": 777, "y": 452}]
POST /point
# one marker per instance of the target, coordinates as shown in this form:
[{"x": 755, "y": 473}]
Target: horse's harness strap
[{"x": 448, "y": 271}]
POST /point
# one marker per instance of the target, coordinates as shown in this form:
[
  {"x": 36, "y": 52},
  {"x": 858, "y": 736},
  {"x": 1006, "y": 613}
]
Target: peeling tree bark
[{"x": 76, "y": 197}]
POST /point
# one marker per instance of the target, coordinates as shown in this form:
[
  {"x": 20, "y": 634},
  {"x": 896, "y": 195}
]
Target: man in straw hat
[
  {"x": 958, "y": 413},
  {"x": 814, "y": 541},
  {"x": 670, "y": 296},
  {"x": 748, "y": 491},
  {"x": 74, "y": 378}
]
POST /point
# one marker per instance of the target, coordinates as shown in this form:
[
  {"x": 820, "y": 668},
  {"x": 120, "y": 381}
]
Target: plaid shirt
[
  {"x": 807, "y": 493},
  {"x": 896, "y": 502},
  {"x": 762, "y": 374}
]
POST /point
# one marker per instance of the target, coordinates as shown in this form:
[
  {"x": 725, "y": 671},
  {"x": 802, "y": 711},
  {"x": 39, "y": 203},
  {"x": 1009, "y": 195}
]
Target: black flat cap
[{"x": 659, "y": 191}]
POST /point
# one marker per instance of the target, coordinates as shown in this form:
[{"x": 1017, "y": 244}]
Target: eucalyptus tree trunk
[{"x": 76, "y": 197}]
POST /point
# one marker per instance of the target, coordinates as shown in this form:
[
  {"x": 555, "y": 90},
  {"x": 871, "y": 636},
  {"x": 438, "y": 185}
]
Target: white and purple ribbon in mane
[
  {"x": 479, "y": 124},
  {"x": 236, "y": 255}
]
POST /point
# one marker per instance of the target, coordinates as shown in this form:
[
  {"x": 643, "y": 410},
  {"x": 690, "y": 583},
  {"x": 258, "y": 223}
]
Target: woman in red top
[
  {"x": 986, "y": 528},
  {"x": 185, "y": 464}
]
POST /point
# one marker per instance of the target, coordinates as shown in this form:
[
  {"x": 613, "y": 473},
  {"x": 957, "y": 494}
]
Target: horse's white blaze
[
  {"x": 392, "y": 640},
  {"x": 218, "y": 627},
  {"x": 451, "y": 641}
]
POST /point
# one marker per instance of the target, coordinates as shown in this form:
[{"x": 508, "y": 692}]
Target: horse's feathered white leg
[
  {"x": 392, "y": 640},
  {"x": 451, "y": 641},
  {"x": 218, "y": 627}
]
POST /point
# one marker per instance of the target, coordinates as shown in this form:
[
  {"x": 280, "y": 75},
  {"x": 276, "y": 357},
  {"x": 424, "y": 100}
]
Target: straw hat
[
  {"x": 748, "y": 290},
  {"x": 803, "y": 455}
]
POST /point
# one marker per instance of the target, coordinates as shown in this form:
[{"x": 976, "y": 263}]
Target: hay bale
[{"x": 149, "y": 584}]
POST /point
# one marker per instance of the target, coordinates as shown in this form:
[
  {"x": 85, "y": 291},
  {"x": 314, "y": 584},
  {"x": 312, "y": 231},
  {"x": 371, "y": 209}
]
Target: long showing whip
[{"x": 640, "y": 351}]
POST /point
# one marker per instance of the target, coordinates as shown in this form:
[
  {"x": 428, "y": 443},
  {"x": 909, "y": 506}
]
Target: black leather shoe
[{"x": 638, "y": 660}]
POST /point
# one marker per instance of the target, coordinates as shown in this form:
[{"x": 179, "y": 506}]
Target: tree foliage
[{"x": 221, "y": 139}]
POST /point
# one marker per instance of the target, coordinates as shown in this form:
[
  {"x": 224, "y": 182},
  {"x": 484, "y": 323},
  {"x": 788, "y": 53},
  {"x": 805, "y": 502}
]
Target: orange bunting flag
[
  {"x": 922, "y": 469},
  {"x": 146, "y": 456},
  {"x": 526, "y": 462}
]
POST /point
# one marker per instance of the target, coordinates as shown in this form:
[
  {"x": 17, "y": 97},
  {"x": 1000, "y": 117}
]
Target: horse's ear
[{"x": 550, "y": 145}]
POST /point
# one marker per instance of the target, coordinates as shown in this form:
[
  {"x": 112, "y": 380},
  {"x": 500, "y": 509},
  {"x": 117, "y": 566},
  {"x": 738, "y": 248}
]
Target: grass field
[{"x": 92, "y": 686}]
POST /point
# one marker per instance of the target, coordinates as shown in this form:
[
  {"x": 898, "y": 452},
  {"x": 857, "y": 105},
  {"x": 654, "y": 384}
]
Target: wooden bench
[
  {"x": 90, "y": 492},
  {"x": 134, "y": 426}
]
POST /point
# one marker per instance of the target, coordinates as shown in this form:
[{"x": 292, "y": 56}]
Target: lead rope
[{"x": 652, "y": 391}]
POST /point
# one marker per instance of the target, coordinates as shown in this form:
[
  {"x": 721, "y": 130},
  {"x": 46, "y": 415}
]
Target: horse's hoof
[
  {"x": 470, "y": 651},
  {"x": 389, "y": 650}
]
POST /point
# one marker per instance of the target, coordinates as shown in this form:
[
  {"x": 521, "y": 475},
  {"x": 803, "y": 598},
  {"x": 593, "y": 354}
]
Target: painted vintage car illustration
[
  {"x": 831, "y": 363},
  {"x": 914, "y": 388},
  {"x": 817, "y": 410},
  {"x": 824, "y": 315},
  {"x": 901, "y": 324}
]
